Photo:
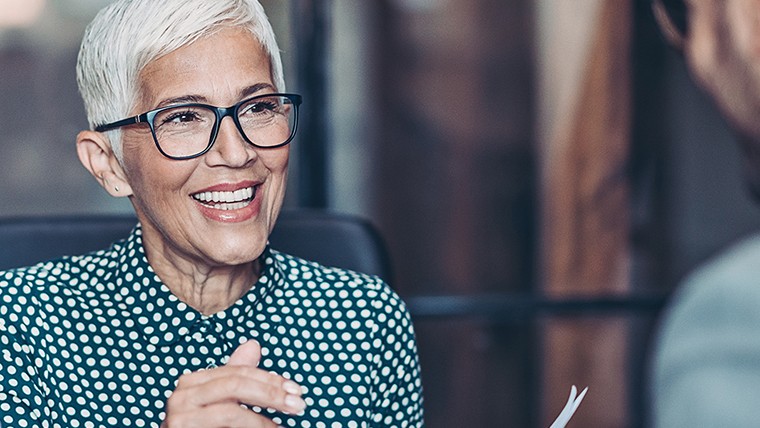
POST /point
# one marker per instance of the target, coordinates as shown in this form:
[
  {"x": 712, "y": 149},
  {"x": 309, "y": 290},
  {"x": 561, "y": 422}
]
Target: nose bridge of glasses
[{"x": 231, "y": 112}]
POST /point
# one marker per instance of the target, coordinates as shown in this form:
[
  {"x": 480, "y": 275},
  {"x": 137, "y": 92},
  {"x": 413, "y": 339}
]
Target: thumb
[{"x": 247, "y": 354}]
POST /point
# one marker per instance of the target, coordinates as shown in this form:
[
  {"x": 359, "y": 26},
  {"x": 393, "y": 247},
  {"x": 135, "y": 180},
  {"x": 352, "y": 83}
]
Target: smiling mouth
[{"x": 227, "y": 201}]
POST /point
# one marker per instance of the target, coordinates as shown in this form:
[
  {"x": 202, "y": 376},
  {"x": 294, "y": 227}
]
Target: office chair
[{"x": 332, "y": 239}]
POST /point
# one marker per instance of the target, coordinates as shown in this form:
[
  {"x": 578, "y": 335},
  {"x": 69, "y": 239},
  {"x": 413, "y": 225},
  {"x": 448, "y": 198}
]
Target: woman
[{"x": 193, "y": 320}]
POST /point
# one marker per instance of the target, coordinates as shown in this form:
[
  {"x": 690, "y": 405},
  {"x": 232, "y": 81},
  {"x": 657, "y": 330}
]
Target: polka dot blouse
[{"x": 98, "y": 340}]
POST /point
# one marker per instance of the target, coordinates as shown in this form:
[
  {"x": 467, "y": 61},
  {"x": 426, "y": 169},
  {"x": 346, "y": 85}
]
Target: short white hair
[{"x": 127, "y": 35}]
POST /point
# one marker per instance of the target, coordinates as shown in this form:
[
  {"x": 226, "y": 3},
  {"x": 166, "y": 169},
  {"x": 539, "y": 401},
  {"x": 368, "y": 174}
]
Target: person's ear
[
  {"x": 668, "y": 27},
  {"x": 96, "y": 155}
]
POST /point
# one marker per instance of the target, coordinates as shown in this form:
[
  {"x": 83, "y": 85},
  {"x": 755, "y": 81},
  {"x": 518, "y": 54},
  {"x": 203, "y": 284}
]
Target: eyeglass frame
[{"x": 219, "y": 112}]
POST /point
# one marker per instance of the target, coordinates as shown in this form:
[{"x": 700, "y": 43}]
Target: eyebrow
[
  {"x": 192, "y": 98},
  {"x": 250, "y": 90}
]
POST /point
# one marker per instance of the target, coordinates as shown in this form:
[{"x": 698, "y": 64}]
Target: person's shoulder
[
  {"x": 334, "y": 281},
  {"x": 722, "y": 293},
  {"x": 19, "y": 281},
  {"x": 24, "y": 292},
  {"x": 51, "y": 277},
  {"x": 731, "y": 274},
  {"x": 709, "y": 331},
  {"x": 299, "y": 269}
]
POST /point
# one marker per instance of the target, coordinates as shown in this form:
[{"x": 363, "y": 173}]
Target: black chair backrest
[{"x": 338, "y": 240}]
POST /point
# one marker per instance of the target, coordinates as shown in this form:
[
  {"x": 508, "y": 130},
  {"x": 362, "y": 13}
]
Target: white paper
[{"x": 572, "y": 404}]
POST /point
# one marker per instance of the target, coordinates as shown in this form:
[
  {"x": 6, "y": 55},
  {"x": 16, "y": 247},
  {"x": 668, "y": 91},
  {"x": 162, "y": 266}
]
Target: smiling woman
[{"x": 193, "y": 314}]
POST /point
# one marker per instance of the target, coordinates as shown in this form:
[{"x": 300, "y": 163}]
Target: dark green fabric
[{"x": 98, "y": 340}]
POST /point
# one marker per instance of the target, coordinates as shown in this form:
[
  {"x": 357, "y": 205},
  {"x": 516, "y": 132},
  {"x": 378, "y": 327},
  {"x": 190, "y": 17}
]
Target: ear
[
  {"x": 96, "y": 155},
  {"x": 667, "y": 26}
]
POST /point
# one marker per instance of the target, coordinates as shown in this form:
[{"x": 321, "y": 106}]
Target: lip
[{"x": 231, "y": 216}]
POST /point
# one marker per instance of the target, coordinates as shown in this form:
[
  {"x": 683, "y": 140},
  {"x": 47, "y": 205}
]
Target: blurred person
[
  {"x": 706, "y": 367},
  {"x": 193, "y": 320}
]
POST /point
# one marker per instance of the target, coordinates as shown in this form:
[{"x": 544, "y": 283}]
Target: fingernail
[
  {"x": 291, "y": 387},
  {"x": 295, "y": 403}
]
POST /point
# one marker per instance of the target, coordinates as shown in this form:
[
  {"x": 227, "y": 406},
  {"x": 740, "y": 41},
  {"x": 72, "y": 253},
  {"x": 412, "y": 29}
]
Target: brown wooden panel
[{"x": 585, "y": 227}]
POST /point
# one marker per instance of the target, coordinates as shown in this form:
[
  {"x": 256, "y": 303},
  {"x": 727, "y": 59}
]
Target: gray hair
[{"x": 127, "y": 35}]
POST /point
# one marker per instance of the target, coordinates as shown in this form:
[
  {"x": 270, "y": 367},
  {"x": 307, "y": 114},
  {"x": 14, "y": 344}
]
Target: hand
[{"x": 212, "y": 398}]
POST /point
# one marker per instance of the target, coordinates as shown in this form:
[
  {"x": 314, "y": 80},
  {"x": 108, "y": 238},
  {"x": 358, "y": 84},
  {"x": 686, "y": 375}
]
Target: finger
[
  {"x": 248, "y": 353},
  {"x": 253, "y": 374},
  {"x": 236, "y": 385},
  {"x": 217, "y": 416}
]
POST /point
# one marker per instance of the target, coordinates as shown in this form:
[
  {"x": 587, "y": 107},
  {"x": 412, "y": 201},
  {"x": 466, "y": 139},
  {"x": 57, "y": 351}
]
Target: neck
[{"x": 207, "y": 289}]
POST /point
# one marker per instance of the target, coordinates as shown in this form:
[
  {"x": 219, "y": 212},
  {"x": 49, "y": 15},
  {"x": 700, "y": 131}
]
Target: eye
[
  {"x": 259, "y": 107},
  {"x": 184, "y": 116}
]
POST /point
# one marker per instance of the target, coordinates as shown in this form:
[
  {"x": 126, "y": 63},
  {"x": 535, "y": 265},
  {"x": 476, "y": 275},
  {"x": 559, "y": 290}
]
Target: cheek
[
  {"x": 276, "y": 161},
  {"x": 136, "y": 147},
  {"x": 149, "y": 173}
]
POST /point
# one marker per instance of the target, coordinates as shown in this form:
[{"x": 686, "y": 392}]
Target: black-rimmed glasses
[{"x": 186, "y": 131}]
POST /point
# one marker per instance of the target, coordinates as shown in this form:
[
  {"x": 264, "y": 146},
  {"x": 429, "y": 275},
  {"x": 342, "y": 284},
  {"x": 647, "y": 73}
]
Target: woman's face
[{"x": 168, "y": 195}]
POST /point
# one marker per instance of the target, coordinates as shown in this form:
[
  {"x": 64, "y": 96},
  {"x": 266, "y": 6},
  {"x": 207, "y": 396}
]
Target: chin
[
  {"x": 239, "y": 250},
  {"x": 234, "y": 256}
]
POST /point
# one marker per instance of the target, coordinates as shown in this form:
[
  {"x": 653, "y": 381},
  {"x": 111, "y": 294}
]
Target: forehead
[{"x": 226, "y": 60}]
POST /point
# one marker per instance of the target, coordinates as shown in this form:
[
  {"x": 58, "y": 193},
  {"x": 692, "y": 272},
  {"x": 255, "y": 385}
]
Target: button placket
[
  {"x": 210, "y": 333},
  {"x": 205, "y": 326}
]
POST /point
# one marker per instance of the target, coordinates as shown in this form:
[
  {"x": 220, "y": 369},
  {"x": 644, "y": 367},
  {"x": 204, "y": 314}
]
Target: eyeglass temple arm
[{"x": 120, "y": 123}]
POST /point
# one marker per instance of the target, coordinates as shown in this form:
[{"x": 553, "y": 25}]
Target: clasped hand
[{"x": 212, "y": 398}]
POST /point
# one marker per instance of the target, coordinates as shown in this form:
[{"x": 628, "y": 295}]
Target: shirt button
[{"x": 205, "y": 326}]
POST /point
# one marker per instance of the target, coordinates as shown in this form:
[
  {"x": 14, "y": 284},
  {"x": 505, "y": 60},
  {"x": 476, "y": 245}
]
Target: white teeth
[{"x": 226, "y": 200}]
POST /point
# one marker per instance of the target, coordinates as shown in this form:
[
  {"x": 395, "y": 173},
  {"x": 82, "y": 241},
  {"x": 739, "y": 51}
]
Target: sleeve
[
  {"x": 397, "y": 388},
  {"x": 20, "y": 399},
  {"x": 706, "y": 369}
]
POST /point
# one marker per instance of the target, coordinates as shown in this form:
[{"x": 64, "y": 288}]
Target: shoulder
[
  {"x": 67, "y": 270},
  {"x": 47, "y": 285},
  {"x": 716, "y": 309},
  {"x": 708, "y": 337},
  {"x": 299, "y": 271},
  {"x": 724, "y": 284},
  {"x": 342, "y": 287}
]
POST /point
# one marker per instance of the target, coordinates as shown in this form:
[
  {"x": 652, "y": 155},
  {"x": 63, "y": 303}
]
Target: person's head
[
  {"x": 720, "y": 40},
  {"x": 127, "y": 35},
  {"x": 194, "y": 89}
]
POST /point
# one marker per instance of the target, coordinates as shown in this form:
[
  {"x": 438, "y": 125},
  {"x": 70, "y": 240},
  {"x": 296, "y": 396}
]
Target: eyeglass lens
[{"x": 187, "y": 130}]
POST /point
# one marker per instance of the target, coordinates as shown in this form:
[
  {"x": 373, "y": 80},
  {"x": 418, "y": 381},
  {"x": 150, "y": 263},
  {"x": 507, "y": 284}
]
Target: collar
[{"x": 161, "y": 317}]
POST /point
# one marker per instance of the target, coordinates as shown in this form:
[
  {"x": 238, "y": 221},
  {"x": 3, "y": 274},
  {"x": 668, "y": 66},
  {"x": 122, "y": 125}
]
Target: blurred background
[{"x": 543, "y": 173}]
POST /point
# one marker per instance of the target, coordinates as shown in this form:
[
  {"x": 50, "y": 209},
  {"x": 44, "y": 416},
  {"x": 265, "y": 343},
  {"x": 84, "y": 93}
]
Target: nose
[{"x": 230, "y": 148}]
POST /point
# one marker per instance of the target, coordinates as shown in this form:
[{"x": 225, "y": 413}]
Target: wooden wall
[{"x": 585, "y": 207}]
